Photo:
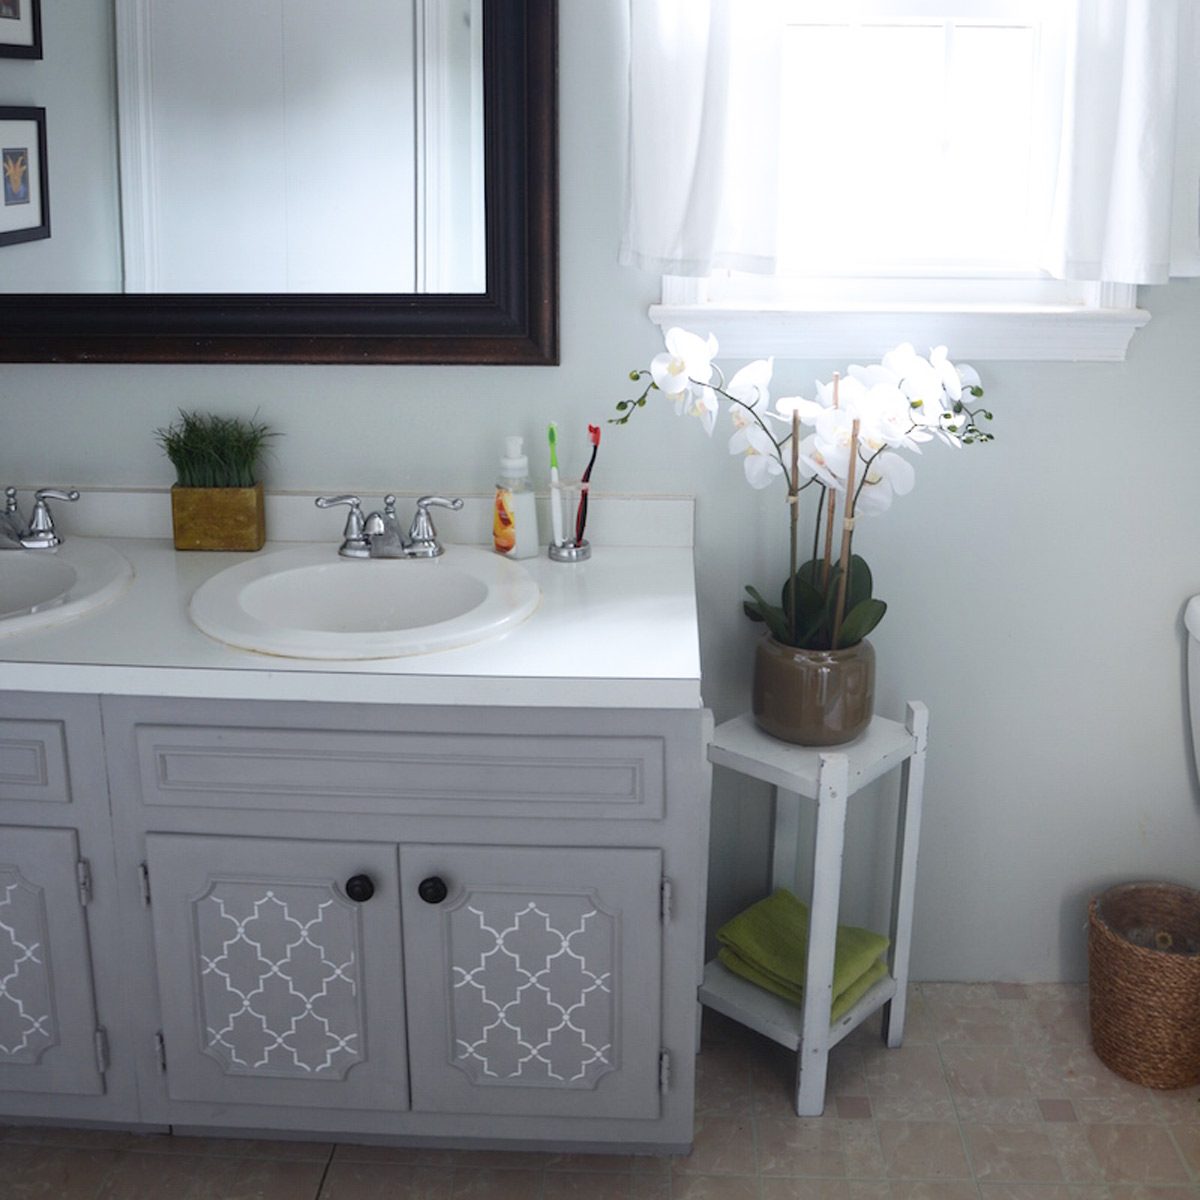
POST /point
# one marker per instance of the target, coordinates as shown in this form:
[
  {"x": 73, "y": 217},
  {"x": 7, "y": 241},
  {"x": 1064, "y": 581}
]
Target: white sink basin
[
  {"x": 306, "y": 602},
  {"x": 40, "y": 588}
]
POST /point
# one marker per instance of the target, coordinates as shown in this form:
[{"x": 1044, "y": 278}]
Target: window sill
[{"x": 974, "y": 333}]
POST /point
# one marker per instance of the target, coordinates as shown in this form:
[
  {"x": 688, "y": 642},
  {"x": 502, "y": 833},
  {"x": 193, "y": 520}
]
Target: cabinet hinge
[
  {"x": 160, "y": 1051},
  {"x": 665, "y": 900},
  {"x": 144, "y": 877},
  {"x": 83, "y": 876},
  {"x": 101, "y": 1040},
  {"x": 664, "y": 1071}
]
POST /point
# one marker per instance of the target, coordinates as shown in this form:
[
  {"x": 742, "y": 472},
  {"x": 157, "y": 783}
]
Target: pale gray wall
[{"x": 1036, "y": 585}]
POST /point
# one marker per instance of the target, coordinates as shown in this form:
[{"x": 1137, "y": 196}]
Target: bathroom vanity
[{"x": 452, "y": 898}]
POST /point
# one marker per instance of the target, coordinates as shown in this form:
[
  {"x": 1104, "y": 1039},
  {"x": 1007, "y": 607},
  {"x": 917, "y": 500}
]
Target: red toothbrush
[{"x": 581, "y": 514}]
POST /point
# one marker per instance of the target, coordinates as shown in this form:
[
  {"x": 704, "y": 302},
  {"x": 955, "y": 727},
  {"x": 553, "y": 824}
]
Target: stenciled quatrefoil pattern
[
  {"x": 26, "y": 1014},
  {"x": 279, "y": 980},
  {"x": 532, "y": 989}
]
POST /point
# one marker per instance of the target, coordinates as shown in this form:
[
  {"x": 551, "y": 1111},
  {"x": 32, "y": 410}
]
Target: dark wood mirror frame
[{"x": 514, "y": 321}]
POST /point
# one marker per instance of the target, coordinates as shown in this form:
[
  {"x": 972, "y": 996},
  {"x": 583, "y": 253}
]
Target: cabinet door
[
  {"x": 48, "y": 1034},
  {"x": 276, "y": 986},
  {"x": 534, "y": 984}
]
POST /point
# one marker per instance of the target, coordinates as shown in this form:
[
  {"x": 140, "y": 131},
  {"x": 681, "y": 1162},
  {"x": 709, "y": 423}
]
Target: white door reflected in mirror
[{"x": 294, "y": 146}]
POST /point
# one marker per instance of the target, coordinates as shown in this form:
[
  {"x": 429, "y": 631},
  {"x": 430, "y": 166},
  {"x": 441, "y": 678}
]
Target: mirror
[{"x": 504, "y": 313}]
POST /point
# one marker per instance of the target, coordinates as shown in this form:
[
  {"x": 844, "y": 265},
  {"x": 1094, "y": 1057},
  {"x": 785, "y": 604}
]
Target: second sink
[{"x": 305, "y": 602}]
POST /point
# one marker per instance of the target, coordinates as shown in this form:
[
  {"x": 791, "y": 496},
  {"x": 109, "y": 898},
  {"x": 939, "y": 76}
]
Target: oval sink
[
  {"x": 306, "y": 602},
  {"x": 39, "y": 588}
]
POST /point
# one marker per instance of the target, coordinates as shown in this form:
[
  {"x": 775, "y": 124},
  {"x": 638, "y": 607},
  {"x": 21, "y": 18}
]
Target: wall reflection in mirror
[{"x": 298, "y": 146}]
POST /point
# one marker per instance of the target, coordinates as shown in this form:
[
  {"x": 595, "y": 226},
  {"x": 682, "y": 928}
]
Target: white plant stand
[{"x": 830, "y": 777}]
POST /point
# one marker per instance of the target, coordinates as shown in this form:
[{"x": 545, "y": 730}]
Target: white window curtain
[
  {"x": 1127, "y": 194},
  {"x": 704, "y": 130},
  {"x": 702, "y": 181}
]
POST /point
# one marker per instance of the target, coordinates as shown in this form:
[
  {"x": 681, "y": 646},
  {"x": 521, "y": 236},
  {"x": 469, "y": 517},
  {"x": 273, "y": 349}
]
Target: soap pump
[{"x": 514, "y": 520}]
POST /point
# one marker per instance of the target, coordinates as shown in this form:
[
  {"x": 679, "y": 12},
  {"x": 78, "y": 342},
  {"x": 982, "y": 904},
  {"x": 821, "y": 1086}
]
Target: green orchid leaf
[
  {"x": 774, "y": 617},
  {"x": 860, "y": 620}
]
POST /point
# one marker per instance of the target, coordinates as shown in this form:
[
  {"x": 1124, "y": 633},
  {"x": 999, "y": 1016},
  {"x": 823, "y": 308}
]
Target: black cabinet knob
[
  {"x": 432, "y": 890},
  {"x": 360, "y": 888}
]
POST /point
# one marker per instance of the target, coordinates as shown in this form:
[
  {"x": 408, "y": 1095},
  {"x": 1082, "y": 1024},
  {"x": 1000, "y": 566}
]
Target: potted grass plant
[
  {"x": 217, "y": 500},
  {"x": 814, "y": 670}
]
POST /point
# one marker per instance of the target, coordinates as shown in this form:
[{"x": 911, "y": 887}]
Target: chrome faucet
[
  {"x": 378, "y": 535},
  {"x": 39, "y": 533}
]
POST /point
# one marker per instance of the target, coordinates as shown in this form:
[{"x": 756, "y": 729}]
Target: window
[{"x": 917, "y": 154}]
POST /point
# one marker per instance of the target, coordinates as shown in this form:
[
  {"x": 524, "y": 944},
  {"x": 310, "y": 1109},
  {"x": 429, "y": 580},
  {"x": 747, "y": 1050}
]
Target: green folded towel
[
  {"x": 768, "y": 944},
  {"x": 842, "y": 1003}
]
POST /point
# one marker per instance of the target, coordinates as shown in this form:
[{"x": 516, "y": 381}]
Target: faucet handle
[
  {"x": 354, "y": 539},
  {"x": 10, "y": 502},
  {"x": 41, "y": 534},
  {"x": 422, "y": 536}
]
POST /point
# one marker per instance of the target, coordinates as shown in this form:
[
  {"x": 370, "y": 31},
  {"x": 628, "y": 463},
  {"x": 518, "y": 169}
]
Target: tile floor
[{"x": 995, "y": 1095}]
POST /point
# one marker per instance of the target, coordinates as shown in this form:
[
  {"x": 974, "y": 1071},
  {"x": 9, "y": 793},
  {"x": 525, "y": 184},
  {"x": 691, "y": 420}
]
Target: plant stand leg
[
  {"x": 812, "y": 1058},
  {"x": 785, "y": 841},
  {"x": 904, "y": 876}
]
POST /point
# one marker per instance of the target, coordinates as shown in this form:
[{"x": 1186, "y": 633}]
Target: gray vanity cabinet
[
  {"x": 443, "y": 925},
  {"x": 533, "y": 979},
  {"x": 48, "y": 1027},
  {"x": 62, "y": 1001},
  {"x": 277, "y": 986}
]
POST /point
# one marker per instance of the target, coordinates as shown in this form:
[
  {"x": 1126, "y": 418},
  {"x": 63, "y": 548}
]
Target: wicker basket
[{"x": 1144, "y": 982}]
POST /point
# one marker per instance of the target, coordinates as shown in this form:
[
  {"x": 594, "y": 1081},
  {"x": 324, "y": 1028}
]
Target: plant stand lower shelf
[{"x": 830, "y": 778}]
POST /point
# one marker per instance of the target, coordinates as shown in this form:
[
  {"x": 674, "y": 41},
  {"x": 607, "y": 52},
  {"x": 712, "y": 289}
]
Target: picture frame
[
  {"x": 20, "y": 28},
  {"x": 24, "y": 180}
]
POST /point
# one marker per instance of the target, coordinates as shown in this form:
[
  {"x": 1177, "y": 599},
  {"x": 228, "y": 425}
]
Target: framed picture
[
  {"x": 24, "y": 192},
  {"x": 20, "y": 28}
]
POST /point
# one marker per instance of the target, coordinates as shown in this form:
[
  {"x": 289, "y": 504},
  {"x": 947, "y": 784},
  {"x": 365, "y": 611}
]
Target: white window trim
[{"x": 1096, "y": 328}]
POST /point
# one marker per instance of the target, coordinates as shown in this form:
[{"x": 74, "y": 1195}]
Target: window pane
[{"x": 906, "y": 146}]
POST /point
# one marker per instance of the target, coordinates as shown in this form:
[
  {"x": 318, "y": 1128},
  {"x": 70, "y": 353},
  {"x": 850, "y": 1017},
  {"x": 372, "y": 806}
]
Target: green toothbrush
[{"x": 556, "y": 517}]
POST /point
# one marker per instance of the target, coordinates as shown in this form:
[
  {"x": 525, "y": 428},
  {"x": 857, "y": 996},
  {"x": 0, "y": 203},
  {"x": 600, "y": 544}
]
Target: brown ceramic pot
[
  {"x": 813, "y": 697},
  {"x": 218, "y": 518}
]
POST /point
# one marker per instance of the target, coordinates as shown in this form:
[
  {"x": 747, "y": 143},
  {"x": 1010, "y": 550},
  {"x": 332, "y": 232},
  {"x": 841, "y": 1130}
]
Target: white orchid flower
[
  {"x": 699, "y": 402},
  {"x": 968, "y": 375},
  {"x": 808, "y": 410},
  {"x": 687, "y": 361},
  {"x": 828, "y": 463},
  {"x": 946, "y": 372},
  {"x": 751, "y": 385},
  {"x": 760, "y": 459},
  {"x": 888, "y": 476}
]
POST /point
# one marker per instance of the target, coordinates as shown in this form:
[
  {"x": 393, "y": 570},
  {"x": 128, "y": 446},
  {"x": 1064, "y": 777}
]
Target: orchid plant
[{"x": 860, "y": 424}]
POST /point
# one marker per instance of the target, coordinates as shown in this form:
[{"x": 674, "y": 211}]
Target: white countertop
[{"x": 617, "y": 631}]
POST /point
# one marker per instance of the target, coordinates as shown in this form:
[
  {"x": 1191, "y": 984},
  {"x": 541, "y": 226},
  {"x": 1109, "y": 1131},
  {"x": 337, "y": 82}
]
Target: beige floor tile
[
  {"x": 721, "y": 1146},
  {"x": 28, "y": 1170},
  {"x": 907, "y": 1084},
  {"x": 812, "y": 1146},
  {"x": 1141, "y": 1191},
  {"x": 1075, "y": 1154},
  {"x": 989, "y": 1085},
  {"x": 923, "y": 1150},
  {"x": 1136, "y": 1154},
  {"x": 482, "y": 1184},
  {"x": 651, "y": 1187},
  {"x": 723, "y": 1080},
  {"x": 138, "y": 1176},
  {"x": 1180, "y": 1105},
  {"x": 347, "y": 1180},
  {"x": 413, "y": 1156},
  {"x": 1012, "y": 1153},
  {"x": 595, "y": 1162},
  {"x": 714, "y": 1187},
  {"x": 811, "y": 1189},
  {"x": 1042, "y": 1191},
  {"x": 932, "y": 1189},
  {"x": 1054, "y": 1019},
  {"x": 586, "y": 1185}
]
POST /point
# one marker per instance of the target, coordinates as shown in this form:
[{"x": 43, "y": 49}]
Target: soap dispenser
[{"x": 514, "y": 521}]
